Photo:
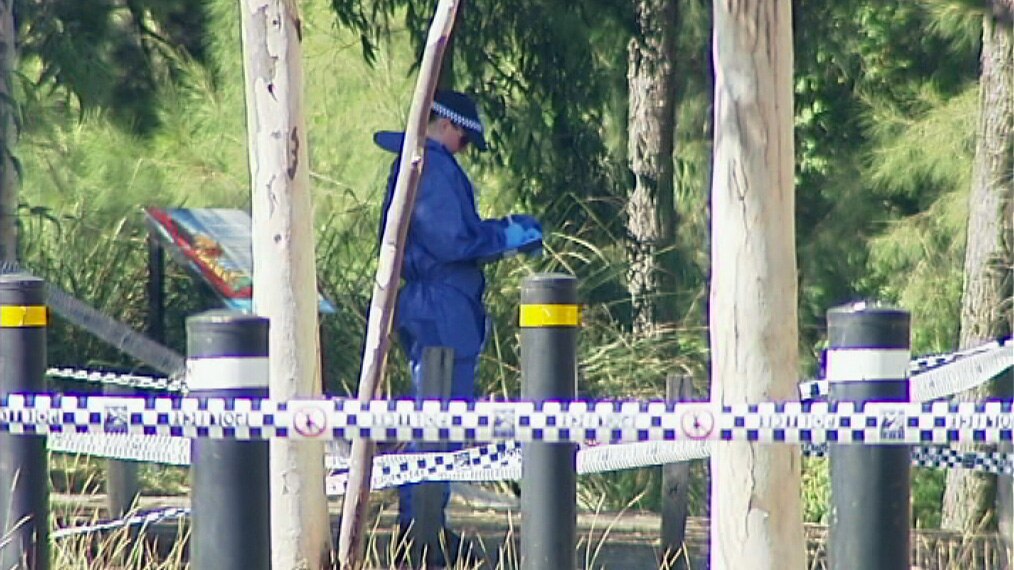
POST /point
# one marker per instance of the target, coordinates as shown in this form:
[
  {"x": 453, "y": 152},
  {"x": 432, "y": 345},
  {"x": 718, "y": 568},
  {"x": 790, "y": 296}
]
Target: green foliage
[
  {"x": 816, "y": 491},
  {"x": 883, "y": 130},
  {"x": 108, "y": 54},
  {"x": 927, "y": 495},
  {"x": 927, "y": 488},
  {"x": 542, "y": 83},
  {"x": 916, "y": 260}
]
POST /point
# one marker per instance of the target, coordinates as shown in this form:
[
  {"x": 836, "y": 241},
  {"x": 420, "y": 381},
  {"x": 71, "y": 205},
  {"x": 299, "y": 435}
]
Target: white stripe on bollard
[
  {"x": 227, "y": 372},
  {"x": 845, "y": 364}
]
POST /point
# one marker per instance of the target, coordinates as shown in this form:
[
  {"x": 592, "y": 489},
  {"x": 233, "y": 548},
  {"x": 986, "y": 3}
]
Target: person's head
[{"x": 455, "y": 122}]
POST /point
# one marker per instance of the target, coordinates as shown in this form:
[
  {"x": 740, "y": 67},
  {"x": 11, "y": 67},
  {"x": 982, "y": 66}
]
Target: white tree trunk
[
  {"x": 284, "y": 269},
  {"x": 756, "y": 519},
  {"x": 9, "y": 181}
]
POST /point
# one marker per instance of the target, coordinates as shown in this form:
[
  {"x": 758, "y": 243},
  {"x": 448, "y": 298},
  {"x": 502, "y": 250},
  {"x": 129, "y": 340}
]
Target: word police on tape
[{"x": 405, "y": 420}]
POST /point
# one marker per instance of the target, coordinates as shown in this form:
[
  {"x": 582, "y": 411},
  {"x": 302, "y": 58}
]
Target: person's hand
[
  {"x": 518, "y": 237},
  {"x": 526, "y": 221}
]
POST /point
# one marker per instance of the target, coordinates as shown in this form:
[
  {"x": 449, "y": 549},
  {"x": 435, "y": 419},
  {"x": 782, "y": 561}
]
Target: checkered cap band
[{"x": 457, "y": 118}]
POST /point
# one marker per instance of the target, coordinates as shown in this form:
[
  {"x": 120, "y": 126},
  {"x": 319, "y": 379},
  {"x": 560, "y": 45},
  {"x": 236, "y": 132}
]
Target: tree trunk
[
  {"x": 986, "y": 295},
  {"x": 651, "y": 125},
  {"x": 284, "y": 269},
  {"x": 756, "y": 518},
  {"x": 9, "y": 180}
]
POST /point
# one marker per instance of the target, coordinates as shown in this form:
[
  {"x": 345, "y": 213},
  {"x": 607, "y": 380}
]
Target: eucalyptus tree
[
  {"x": 651, "y": 132},
  {"x": 860, "y": 83},
  {"x": 754, "y": 332},
  {"x": 886, "y": 132},
  {"x": 986, "y": 301},
  {"x": 284, "y": 280},
  {"x": 668, "y": 91}
]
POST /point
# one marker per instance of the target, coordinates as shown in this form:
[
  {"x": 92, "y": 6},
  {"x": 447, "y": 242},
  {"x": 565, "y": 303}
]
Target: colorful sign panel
[{"x": 215, "y": 244}]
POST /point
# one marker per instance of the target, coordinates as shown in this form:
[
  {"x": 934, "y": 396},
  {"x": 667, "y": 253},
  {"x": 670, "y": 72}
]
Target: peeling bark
[{"x": 285, "y": 269}]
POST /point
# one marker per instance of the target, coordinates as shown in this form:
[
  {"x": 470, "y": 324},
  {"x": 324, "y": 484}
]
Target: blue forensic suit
[{"x": 440, "y": 303}]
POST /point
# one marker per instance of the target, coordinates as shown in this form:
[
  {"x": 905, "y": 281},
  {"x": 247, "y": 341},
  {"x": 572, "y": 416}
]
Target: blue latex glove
[
  {"x": 529, "y": 223},
  {"x": 521, "y": 238},
  {"x": 526, "y": 221}
]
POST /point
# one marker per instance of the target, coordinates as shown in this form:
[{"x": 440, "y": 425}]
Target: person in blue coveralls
[{"x": 440, "y": 303}]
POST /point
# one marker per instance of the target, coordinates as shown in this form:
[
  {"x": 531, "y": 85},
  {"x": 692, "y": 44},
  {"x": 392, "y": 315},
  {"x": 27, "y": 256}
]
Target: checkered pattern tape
[
  {"x": 491, "y": 462},
  {"x": 142, "y": 519},
  {"x": 154, "y": 383},
  {"x": 432, "y": 421},
  {"x": 153, "y": 449},
  {"x": 502, "y": 462},
  {"x": 940, "y": 376},
  {"x": 947, "y": 458},
  {"x": 996, "y": 353},
  {"x": 929, "y": 362}
]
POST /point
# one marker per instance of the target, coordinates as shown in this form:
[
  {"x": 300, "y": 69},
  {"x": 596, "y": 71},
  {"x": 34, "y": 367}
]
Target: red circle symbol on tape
[
  {"x": 309, "y": 422},
  {"x": 697, "y": 424}
]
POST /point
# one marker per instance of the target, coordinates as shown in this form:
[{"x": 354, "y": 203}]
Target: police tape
[
  {"x": 928, "y": 362},
  {"x": 502, "y": 462},
  {"x": 490, "y": 462},
  {"x": 166, "y": 450},
  {"x": 142, "y": 519},
  {"x": 943, "y": 385},
  {"x": 941, "y": 376},
  {"x": 460, "y": 421},
  {"x": 994, "y": 462},
  {"x": 161, "y": 449},
  {"x": 136, "y": 381}
]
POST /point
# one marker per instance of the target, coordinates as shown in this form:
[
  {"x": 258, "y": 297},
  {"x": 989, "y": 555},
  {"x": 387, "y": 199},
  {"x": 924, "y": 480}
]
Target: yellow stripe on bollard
[
  {"x": 550, "y": 315},
  {"x": 14, "y": 316}
]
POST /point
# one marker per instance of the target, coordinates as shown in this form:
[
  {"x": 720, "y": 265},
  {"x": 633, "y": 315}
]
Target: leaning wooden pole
[
  {"x": 385, "y": 287},
  {"x": 284, "y": 280}
]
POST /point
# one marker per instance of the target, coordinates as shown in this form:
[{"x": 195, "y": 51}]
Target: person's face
[{"x": 456, "y": 138}]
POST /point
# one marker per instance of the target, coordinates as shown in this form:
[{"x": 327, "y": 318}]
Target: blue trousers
[{"x": 462, "y": 388}]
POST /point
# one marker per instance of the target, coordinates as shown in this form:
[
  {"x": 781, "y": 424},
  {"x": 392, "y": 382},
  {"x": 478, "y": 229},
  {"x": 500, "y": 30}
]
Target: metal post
[
  {"x": 156, "y": 290},
  {"x": 427, "y": 498},
  {"x": 227, "y": 356},
  {"x": 24, "y": 471},
  {"x": 675, "y": 490},
  {"x": 549, "y": 320},
  {"x": 122, "y": 486},
  {"x": 867, "y": 361}
]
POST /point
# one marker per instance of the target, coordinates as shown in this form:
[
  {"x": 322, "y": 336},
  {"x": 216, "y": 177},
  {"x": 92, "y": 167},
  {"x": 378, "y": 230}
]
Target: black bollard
[
  {"x": 227, "y": 356},
  {"x": 123, "y": 486},
  {"x": 675, "y": 490},
  {"x": 427, "y": 498},
  {"x": 867, "y": 361},
  {"x": 549, "y": 320},
  {"x": 24, "y": 471}
]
